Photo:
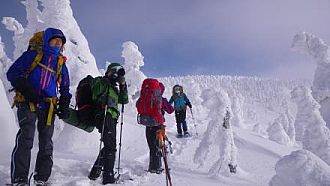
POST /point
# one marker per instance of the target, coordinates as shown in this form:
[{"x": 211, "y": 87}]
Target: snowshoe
[
  {"x": 20, "y": 182},
  {"x": 179, "y": 135},
  {"x": 41, "y": 183},
  {"x": 108, "y": 178},
  {"x": 186, "y": 134},
  {"x": 95, "y": 173},
  {"x": 157, "y": 171}
]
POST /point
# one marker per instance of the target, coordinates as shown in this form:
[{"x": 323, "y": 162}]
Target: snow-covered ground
[{"x": 270, "y": 139}]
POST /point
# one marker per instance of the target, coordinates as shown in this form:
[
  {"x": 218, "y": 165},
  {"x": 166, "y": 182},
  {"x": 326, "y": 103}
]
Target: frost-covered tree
[
  {"x": 5, "y": 63},
  {"x": 282, "y": 129},
  {"x": 277, "y": 133},
  {"x": 237, "y": 108},
  {"x": 57, "y": 14},
  {"x": 13, "y": 25},
  {"x": 133, "y": 61},
  {"x": 218, "y": 135},
  {"x": 312, "y": 128},
  {"x": 320, "y": 52},
  {"x": 301, "y": 168},
  {"x": 7, "y": 120}
]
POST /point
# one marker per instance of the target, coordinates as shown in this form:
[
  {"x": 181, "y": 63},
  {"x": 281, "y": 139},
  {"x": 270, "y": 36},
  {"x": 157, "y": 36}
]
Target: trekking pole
[
  {"x": 101, "y": 139},
  {"x": 121, "y": 132},
  {"x": 167, "y": 171},
  {"x": 194, "y": 120}
]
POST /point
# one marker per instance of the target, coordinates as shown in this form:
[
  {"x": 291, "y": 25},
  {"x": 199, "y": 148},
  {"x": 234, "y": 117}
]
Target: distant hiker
[
  {"x": 107, "y": 92},
  {"x": 180, "y": 105},
  {"x": 151, "y": 107},
  {"x": 35, "y": 76}
]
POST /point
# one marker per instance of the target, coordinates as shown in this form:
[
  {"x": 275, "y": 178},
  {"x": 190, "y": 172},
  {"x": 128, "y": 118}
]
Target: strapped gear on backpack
[
  {"x": 83, "y": 118},
  {"x": 149, "y": 104}
]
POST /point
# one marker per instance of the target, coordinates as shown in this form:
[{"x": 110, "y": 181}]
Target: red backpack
[{"x": 149, "y": 104}]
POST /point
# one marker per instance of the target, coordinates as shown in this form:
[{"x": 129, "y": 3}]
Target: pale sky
[{"x": 189, "y": 37}]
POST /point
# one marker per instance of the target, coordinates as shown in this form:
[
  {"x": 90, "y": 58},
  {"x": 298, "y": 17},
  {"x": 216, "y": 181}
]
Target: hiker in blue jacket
[
  {"x": 35, "y": 76},
  {"x": 180, "y": 105}
]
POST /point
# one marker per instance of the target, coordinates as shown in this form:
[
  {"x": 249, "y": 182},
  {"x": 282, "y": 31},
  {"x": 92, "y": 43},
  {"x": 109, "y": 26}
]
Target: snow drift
[{"x": 301, "y": 168}]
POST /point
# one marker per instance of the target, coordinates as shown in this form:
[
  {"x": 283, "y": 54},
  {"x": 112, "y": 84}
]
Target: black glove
[
  {"x": 189, "y": 105},
  {"x": 26, "y": 90},
  {"x": 63, "y": 110}
]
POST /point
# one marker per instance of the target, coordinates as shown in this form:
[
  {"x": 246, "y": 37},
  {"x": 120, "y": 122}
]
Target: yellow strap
[
  {"x": 37, "y": 60},
  {"x": 47, "y": 68},
  {"x": 32, "y": 107},
  {"x": 20, "y": 98},
  {"x": 52, "y": 103},
  {"x": 59, "y": 66}
]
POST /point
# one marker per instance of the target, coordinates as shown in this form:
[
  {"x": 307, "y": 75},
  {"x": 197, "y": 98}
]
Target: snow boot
[
  {"x": 186, "y": 134},
  {"x": 179, "y": 135},
  {"x": 40, "y": 183},
  {"x": 95, "y": 172},
  {"x": 20, "y": 182},
  {"x": 108, "y": 178}
]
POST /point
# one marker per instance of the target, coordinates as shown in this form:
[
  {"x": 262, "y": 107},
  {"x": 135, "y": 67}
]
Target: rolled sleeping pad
[{"x": 74, "y": 121}]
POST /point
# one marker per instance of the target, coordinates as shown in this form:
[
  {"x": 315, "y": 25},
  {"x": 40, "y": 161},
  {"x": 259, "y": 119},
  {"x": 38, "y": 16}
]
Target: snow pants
[
  {"x": 155, "y": 162},
  {"x": 107, "y": 156},
  {"x": 181, "y": 124},
  {"x": 21, "y": 155}
]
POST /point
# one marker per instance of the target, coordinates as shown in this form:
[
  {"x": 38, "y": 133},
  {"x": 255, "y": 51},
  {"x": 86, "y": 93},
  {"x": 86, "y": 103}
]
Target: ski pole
[
  {"x": 121, "y": 132},
  {"x": 194, "y": 120},
  {"x": 167, "y": 171}
]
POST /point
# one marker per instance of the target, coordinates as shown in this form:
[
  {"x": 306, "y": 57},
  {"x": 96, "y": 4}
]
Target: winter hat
[{"x": 114, "y": 67}]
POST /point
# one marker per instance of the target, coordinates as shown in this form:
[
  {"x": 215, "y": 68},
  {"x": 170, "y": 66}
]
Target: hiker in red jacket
[{"x": 155, "y": 163}]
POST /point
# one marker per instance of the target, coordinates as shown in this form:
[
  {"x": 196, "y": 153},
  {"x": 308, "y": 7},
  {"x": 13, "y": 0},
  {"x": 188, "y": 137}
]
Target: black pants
[
  {"x": 21, "y": 155},
  {"x": 107, "y": 156},
  {"x": 180, "y": 117},
  {"x": 154, "y": 149}
]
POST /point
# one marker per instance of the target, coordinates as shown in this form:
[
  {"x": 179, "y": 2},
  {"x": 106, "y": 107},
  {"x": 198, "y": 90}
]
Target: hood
[
  {"x": 162, "y": 87},
  {"x": 50, "y": 33}
]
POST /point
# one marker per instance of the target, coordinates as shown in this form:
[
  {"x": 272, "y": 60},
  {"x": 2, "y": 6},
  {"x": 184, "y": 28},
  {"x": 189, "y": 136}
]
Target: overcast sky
[{"x": 182, "y": 37}]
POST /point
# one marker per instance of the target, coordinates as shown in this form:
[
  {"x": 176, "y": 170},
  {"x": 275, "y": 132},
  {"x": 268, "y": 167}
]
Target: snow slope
[{"x": 75, "y": 150}]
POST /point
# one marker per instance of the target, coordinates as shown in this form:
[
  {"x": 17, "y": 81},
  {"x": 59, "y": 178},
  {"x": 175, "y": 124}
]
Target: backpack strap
[
  {"x": 60, "y": 63},
  {"x": 35, "y": 62}
]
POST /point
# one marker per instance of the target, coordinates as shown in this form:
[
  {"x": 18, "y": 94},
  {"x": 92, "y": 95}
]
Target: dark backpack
[
  {"x": 149, "y": 104},
  {"x": 84, "y": 100}
]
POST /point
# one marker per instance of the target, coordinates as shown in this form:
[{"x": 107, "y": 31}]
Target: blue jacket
[
  {"x": 41, "y": 79},
  {"x": 180, "y": 101}
]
